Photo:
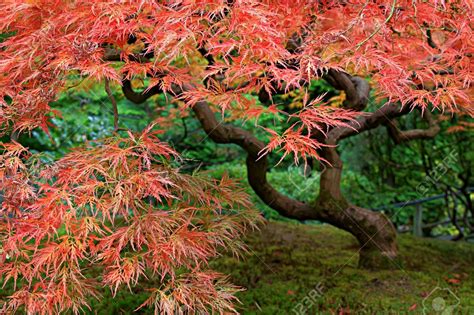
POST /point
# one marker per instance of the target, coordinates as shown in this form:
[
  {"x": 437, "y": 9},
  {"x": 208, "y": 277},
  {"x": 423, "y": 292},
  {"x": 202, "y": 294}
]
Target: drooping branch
[
  {"x": 256, "y": 165},
  {"x": 399, "y": 136},
  {"x": 367, "y": 121},
  {"x": 111, "y": 54},
  {"x": 114, "y": 104}
]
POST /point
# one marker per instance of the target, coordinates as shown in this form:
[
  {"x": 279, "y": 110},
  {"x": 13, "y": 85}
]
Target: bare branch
[
  {"x": 256, "y": 165},
  {"x": 356, "y": 88},
  {"x": 367, "y": 121},
  {"x": 379, "y": 27},
  {"x": 112, "y": 54},
  {"x": 399, "y": 136}
]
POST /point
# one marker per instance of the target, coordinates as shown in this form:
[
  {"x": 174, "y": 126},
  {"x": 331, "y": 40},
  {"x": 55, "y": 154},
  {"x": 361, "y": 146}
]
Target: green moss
[{"x": 287, "y": 262}]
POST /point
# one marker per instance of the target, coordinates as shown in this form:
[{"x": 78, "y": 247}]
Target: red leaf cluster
[{"x": 119, "y": 206}]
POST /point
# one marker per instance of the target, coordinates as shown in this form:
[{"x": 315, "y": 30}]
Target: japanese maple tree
[{"x": 120, "y": 203}]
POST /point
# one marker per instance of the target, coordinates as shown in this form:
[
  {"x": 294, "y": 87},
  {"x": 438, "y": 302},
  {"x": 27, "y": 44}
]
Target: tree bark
[{"x": 375, "y": 233}]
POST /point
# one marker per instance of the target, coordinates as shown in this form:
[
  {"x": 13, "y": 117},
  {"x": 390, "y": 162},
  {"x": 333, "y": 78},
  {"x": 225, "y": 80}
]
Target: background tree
[{"x": 227, "y": 61}]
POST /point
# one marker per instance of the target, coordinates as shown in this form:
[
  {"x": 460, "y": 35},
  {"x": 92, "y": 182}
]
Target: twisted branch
[
  {"x": 256, "y": 165},
  {"x": 399, "y": 136}
]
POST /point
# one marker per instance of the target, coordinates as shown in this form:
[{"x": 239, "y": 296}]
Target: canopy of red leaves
[{"x": 418, "y": 53}]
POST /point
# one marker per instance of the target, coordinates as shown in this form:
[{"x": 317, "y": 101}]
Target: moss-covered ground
[
  {"x": 312, "y": 269},
  {"x": 304, "y": 269}
]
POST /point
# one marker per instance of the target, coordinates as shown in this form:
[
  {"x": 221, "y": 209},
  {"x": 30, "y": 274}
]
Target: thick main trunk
[{"x": 374, "y": 231}]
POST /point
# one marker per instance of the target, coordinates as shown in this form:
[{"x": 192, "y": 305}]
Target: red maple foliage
[{"x": 118, "y": 202}]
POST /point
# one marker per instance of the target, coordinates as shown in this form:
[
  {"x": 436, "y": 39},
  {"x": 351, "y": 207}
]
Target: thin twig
[
  {"x": 392, "y": 11},
  {"x": 114, "y": 104}
]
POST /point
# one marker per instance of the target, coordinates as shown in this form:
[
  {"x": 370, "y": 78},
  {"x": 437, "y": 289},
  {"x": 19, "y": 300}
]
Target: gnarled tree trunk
[{"x": 374, "y": 231}]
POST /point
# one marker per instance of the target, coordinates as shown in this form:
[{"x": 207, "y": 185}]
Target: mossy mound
[{"x": 301, "y": 269}]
